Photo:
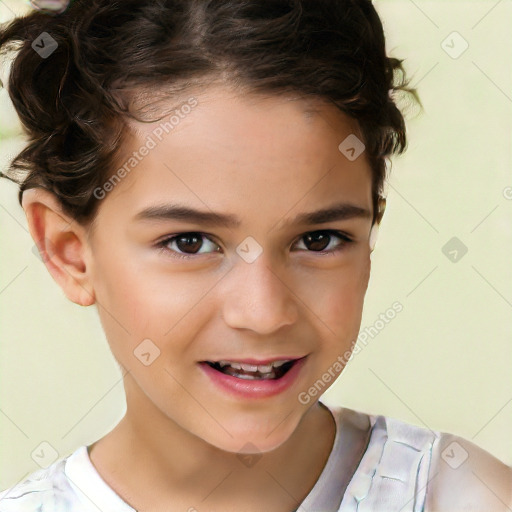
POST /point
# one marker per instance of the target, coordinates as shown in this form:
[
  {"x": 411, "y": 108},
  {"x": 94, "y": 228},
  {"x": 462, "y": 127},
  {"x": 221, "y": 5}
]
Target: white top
[{"x": 392, "y": 474}]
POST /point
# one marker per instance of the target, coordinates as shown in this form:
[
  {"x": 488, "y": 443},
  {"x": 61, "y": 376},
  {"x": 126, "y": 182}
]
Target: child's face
[{"x": 264, "y": 162}]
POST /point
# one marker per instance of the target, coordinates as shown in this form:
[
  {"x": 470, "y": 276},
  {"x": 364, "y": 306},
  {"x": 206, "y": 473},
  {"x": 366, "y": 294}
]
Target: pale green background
[{"x": 443, "y": 362}]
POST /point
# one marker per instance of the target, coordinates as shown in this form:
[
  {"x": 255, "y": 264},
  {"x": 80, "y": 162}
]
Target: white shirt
[{"x": 399, "y": 461}]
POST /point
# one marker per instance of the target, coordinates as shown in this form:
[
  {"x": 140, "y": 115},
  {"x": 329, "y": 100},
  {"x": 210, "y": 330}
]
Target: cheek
[
  {"x": 138, "y": 303},
  {"x": 341, "y": 311},
  {"x": 126, "y": 303},
  {"x": 126, "y": 295},
  {"x": 340, "y": 303},
  {"x": 129, "y": 287}
]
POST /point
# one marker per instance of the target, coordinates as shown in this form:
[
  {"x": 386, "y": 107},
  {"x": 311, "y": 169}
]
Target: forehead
[
  {"x": 223, "y": 112},
  {"x": 237, "y": 152}
]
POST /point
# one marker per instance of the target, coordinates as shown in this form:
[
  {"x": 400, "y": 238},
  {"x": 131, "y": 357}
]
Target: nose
[{"x": 258, "y": 298}]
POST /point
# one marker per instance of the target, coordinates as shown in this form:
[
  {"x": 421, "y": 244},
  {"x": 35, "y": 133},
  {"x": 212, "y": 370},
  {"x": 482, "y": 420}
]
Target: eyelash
[{"x": 162, "y": 245}]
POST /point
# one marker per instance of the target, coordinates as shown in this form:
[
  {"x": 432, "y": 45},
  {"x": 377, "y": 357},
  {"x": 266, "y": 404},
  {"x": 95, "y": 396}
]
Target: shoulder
[
  {"x": 464, "y": 476},
  {"x": 31, "y": 494},
  {"x": 426, "y": 470},
  {"x": 461, "y": 476},
  {"x": 43, "y": 490}
]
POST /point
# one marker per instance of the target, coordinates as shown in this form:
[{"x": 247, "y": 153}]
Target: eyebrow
[{"x": 166, "y": 212}]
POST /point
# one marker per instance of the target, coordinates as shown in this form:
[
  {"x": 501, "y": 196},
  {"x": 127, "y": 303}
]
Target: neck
[{"x": 149, "y": 451}]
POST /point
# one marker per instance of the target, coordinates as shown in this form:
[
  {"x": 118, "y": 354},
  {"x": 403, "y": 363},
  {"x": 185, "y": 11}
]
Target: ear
[
  {"x": 376, "y": 225},
  {"x": 381, "y": 207},
  {"x": 62, "y": 244}
]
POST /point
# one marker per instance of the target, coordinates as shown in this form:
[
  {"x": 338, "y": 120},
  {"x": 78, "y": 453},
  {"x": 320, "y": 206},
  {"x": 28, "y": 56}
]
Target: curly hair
[{"x": 108, "y": 54}]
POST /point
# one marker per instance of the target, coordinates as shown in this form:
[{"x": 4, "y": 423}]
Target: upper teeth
[{"x": 262, "y": 368}]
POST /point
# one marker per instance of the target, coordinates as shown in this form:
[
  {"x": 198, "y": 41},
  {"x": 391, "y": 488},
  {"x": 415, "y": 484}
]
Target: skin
[
  {"x": 482, "y": 482},
  {"x": 265, "y": 160}
]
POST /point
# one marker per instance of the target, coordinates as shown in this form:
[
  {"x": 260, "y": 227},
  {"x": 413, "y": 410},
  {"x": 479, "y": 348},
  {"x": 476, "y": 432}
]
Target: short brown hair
[{"x": 74, "y": 104}]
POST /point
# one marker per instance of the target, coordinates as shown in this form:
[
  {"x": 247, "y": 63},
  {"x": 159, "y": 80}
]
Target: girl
[{"x": 209, "y": 174}]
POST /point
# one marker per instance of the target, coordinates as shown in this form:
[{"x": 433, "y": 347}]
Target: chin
[
  {"x": 247, "y": 440},
  {"x": 250, "y": 444}
]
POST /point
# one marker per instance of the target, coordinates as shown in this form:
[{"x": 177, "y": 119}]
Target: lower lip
[{"x": 257, "y": 388}]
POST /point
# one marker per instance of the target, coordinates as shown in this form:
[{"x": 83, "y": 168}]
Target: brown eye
[
  {"x": 185, "y": 245},
  {"x": 319, "y": 241},
  {"x": 191, "y": 242},
  {"x": 189, "y": 245}
]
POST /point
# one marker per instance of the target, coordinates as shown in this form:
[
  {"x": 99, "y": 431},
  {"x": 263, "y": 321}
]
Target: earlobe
[{"x": 62, "y": 244}]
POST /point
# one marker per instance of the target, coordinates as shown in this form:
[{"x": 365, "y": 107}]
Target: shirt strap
[{"x": 393, "y": 473}]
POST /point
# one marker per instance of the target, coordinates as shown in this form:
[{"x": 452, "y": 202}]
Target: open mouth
[{"x": 274, "y": 370}]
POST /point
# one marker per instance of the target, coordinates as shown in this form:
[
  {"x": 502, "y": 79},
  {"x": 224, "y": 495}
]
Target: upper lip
[{"x": 256, "y": 362}]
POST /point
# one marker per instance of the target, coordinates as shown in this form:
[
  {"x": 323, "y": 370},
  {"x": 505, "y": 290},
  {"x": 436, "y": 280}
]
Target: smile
[
  {"x": 272, "y": 370},
  {"x": 253, "y": 379}
]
